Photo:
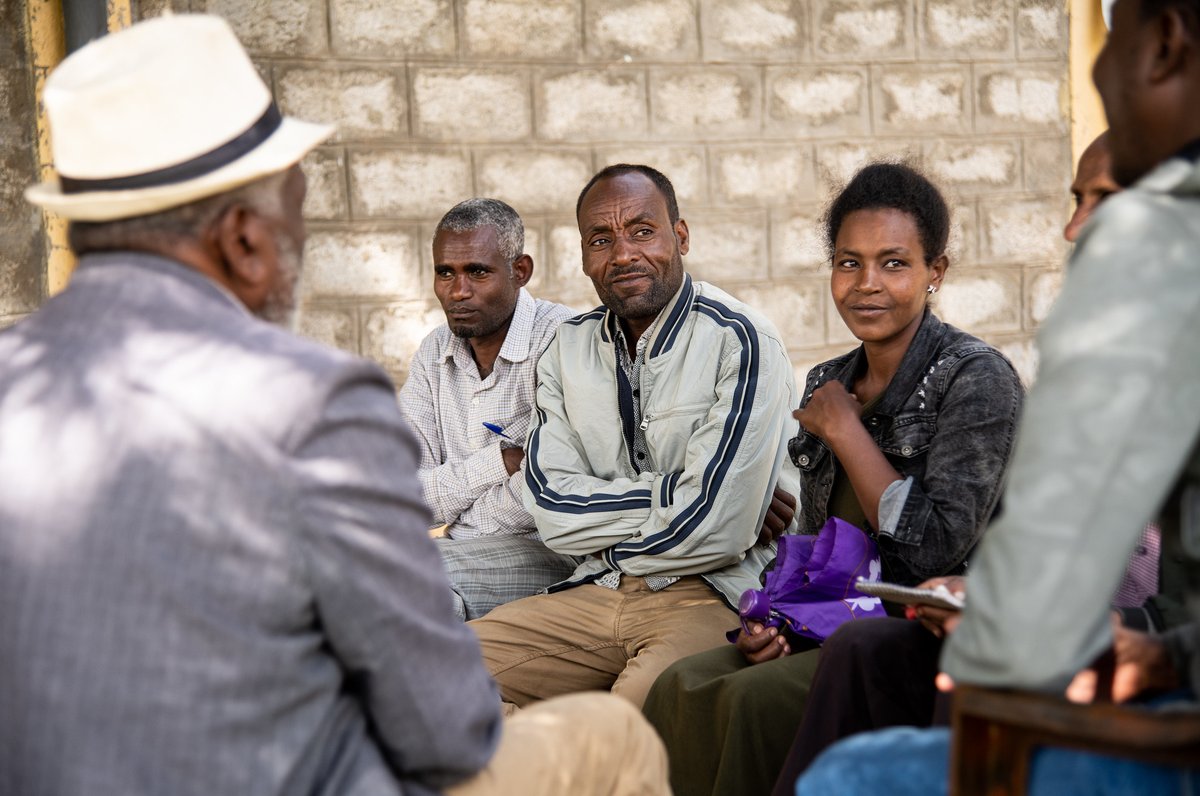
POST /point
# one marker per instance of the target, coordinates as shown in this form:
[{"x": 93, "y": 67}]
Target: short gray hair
[
  {"x": 185, "y": 222},
  {"x": 480, "y": 212}
]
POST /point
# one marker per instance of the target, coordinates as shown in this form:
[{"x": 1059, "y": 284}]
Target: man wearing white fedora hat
[{"x": 215, "y": 575}]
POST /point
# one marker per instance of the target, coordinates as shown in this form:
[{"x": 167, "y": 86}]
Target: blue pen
[{"x": 495, "y": 429}]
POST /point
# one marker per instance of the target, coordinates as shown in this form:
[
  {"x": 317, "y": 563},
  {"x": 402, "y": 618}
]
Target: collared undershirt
[{"x": 641, "y": 453}]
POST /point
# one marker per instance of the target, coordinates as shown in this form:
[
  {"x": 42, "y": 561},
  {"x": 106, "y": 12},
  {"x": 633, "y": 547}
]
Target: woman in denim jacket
[
  {"x": 936, "y": 439},
  {"x": 906, "y": 437}
]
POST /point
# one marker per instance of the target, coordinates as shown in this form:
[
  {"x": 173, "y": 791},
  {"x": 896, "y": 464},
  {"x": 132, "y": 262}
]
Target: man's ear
[
  {"x": 681, "y": 235},
  {"x": 1176, "y": 44},
  {"x": 245, "y": 243},
  {"x": 522, "y": 269}
]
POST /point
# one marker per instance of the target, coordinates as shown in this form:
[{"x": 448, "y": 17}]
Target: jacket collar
[
  {"x": 665, "y": 329},
  {"x": 914, "y": 367}
]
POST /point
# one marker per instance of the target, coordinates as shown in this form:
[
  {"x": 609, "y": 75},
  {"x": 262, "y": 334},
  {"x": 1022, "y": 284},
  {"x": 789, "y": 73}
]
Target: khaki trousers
[
  {"x": 591, "y": 638},
  {"x": 579, "y": 745}
]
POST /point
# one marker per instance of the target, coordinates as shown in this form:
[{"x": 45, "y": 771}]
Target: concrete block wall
[
  {"x": 756, "y": 109},
  {"x": 22, "y": 241}
]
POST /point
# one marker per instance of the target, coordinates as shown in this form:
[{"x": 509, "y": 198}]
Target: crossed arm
[{"x": 699, "y": 516}]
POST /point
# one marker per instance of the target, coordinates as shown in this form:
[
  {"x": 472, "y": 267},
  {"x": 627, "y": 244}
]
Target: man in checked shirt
[{"x": 469, "y": 396}]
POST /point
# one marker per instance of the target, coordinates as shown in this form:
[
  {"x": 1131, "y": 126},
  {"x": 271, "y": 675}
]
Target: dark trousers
[{"x": 872, "y": 673}]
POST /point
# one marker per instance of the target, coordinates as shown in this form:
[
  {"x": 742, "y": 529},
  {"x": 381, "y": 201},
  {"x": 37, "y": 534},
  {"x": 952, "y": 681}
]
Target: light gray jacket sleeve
[
  {"x": 1106, "y": 431},
  {"x": 381, "y": 592}
]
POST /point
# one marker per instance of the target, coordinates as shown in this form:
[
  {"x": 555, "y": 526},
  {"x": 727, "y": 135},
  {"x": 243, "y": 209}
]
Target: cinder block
[
  {"x": 963, "y": 245},
  {"x": 806, "y": 360},
  {"x": 149, "y": 9},
  {"x": 1025, "y": 99},
  {"x": 366, "y": 264},
  {"x": 17, "y": 123},
  {"x": 12, "y": 34},
  {"x": 1044, "y": 286},
  {"x": 754, "y": 30},
  {"x": 1041, "y": 28},
  {"x": 1048, "y": 164},
  {"x": 684, "y": 167},
  {"x": 727, "y": 248},
  {"x": 981, "y": 301},
  {"x": 1025, "y": 231},
  {"x": 796, "y": 307},
  {"x": 362, "y": 103},
  {"x": 797, "y": 243},
  {"x": 970, "y": 28},
  {"x": 837, "y": 163},
  {"x": 16, "y": 173},
  {"x": 662, "y": 30},
  {"x": 969, "y": 168},
  {"x": 565, "y": 259},
  {"x": 391, "y": 335},
  {"x": 854, "y": 31},
  {"x": 591, "y": 104},
  {"x": 539, "y": 283},
  {"x": 333, "y": 326},
  {"x": 1023, "y": 354},
  {"x": 927, "y": 97},
  {"x": 263, "y": 66},
  {"x": 21, "y": 265},
  {"x": 818, "y": 100},
  {"x": 325, "y": 170},
  {"x": 471, "y": 104},
  {"x": 534, "y": 181},
  {"x": 388, "y": 183},
  {"x": 714, "y": 102},
  {"x": 392, "y": 28},
  {"x": 526, "y": 29},
  {"x": 274, "y": 27},
  {"x": 763, "y": 175}
]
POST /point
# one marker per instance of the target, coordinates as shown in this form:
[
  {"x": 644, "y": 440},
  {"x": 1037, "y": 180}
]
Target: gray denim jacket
[{"x": 946, "y": 422}]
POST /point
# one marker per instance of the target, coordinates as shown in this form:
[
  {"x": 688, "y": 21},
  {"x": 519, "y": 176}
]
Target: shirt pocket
[
  {"x": 674, "y": 423},
  {"x": 909, "y": 439}
]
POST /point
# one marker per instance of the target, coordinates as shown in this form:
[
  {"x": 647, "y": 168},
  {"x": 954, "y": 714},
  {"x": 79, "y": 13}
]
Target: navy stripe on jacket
[
  {"x": 687, "y": 520},
  {"x": 547, "y": 498}
]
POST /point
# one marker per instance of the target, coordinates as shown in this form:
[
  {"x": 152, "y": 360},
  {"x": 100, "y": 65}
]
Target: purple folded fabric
[{"x": 811, "y": 589}]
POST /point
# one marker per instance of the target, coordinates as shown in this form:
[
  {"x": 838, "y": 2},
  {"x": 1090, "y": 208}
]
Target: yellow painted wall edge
[{"x": 47, "y": 47}]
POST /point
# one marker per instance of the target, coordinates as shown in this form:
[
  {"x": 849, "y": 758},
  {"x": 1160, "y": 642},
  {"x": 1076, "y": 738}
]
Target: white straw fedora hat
[{"x": 163, "y": 113}]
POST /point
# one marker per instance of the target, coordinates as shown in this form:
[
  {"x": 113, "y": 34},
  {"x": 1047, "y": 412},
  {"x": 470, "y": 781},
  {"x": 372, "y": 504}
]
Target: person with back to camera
[
  {"x": 906, "y": 437},
  {"x": 215, "y": 569}
]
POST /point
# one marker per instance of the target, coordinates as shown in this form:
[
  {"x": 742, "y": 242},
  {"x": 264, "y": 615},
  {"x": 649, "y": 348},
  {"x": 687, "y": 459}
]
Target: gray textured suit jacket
[{"x": 215, "y": 576}]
